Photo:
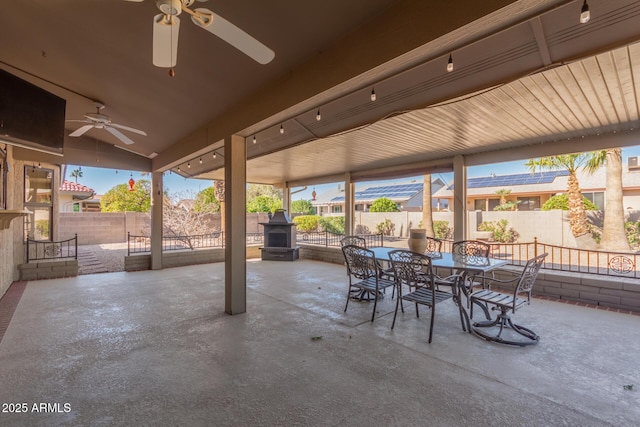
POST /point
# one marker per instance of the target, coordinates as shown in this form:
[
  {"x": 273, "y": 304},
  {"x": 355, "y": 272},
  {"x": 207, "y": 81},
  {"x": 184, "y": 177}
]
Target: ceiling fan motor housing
[{"x": 172, "y": 7}]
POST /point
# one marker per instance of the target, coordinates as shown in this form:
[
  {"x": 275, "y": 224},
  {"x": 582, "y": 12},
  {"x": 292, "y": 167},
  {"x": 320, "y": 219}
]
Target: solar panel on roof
[{"x": 545, "y": 177}]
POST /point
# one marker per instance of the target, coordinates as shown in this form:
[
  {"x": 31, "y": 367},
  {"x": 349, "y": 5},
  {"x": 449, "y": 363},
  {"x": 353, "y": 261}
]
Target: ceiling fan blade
[
  {"x": 138, "y": 131},
  {"x": 122, "y": 137},
  {"x": 80, "y": 131},
  {"x": 165, "y": 40},
  {"x": 233, "y": 35}
]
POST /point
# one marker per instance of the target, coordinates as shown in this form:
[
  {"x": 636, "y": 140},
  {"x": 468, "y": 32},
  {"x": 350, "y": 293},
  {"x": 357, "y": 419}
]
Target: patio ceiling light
[
  {"x": 254, "y": 139},
  {"x": 318, "y": 116},
  {"x": 585, "y": 15},
  {"x": 373, "y": 95},
  {"x": 281, "y": 129},
  {"x": 450, "y": 64}
]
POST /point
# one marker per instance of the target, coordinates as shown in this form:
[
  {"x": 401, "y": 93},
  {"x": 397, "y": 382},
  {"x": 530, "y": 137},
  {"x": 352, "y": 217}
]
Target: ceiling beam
[{"x": 405, "y": 26}]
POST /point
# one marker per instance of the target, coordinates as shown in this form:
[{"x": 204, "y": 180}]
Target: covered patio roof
[{"x": 528, "y": 79}]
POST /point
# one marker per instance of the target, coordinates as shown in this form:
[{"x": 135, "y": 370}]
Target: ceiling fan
[
  {"x": 167, "y": 24},
  {"x": 101, "y": 121}
]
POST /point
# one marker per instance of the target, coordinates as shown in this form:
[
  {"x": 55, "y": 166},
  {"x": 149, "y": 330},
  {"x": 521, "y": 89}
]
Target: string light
[
  {"x": 281, "y": 130},
  {"x": 373, "y": 95},
  {"x": 585, "y": 15},
  {"x": 189, "y": 165},
  {"x": 318, "y": 116},
  {"x": 200, "y": 160},
  {"x": 215, "y": 154},
  {"x": 254, "y": 139},
  {"x": 450, "y": 64}
]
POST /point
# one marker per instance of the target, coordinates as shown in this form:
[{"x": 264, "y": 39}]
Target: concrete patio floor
[{"x": 156, "y": 348}]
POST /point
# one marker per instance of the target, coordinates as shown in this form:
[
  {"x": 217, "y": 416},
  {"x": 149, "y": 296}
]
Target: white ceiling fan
[
  {"x": 167, "y": 24},
  {"x": 101, "y": 121}
]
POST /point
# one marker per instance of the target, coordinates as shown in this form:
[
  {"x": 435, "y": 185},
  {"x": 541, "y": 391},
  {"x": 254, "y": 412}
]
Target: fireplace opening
[{"x": 277, "y": 239}]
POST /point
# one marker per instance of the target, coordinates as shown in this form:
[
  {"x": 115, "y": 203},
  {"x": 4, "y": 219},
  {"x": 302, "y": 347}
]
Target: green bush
[
  {"x": 500, "y": 231},
  {"x": 383, "y": 204},
  {"x": 306, "y": 223},
  {"x": 332, "y": 224},
  {"x": 633, "y": 233},
  {"x": 386, "y": 227},
  {"x": 561, "y": 201},
  {"x": 507, "y": 206},
  {"x": 442, "y": 230}
]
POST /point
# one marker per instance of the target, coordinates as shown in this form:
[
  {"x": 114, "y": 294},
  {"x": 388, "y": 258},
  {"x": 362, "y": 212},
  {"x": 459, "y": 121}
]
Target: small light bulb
[
  {"x": 215, "y": 154},
  {"x": 281, "y": 129},
  {"x": 373, "y": 95},
  {"x": 585, "y": 15},
  {"x": 189, "y": 165},
  {"x": 178, "y": 168},
  {"x": 200, "y": 160},
  {"x": 450, "y": 64},
  {"x": 254, "y": 139},
  {"x": 318, "y": 116}
]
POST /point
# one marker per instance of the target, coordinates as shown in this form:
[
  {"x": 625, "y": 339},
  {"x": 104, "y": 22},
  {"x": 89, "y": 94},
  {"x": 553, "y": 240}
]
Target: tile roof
[{"x": 75, "y": 188}]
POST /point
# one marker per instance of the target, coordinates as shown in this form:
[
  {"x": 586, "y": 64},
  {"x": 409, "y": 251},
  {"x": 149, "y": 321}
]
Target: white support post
[
  {"x": 235, "y": 181},
  {"x": 156, "y": 220},
  {"x": 459, "y": 198},
  {"x": 349, "y": 203}
]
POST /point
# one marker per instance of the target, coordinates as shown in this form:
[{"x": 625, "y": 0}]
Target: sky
[{"x": 102, "y": 180}]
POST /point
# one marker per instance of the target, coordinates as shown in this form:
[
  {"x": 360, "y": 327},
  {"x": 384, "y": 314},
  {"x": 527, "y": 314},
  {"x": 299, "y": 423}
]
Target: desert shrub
[
  {"x": 386, "y": 227},
  {"x": 561, "y": 201},
  {"x": 633, "y": 233},
  {"x": 500, "y": 230},
  {"x": 506, "y": 206},
  {"x": 332, "y": 224},
  {"x": 306, "y": 223},
  {"x": 442, "y": 230}
]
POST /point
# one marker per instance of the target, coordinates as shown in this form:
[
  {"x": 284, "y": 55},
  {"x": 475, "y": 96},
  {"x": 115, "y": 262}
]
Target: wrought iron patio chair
[
  {"x": 434, "y": 246},
  {"x": 472, "y": 251},
  {"x": 415, "y": 272},
  {"x": 353, "y": 240},
  {"x": 364, "y": 275},
  {"x": 508, "y": 303}
]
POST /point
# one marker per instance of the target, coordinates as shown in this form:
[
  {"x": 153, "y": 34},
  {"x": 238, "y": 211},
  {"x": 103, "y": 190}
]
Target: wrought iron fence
[
  {"x": 44, "y": 249},
  {"x": 142, "y": 244},
  {"x": 325, "y": 238},
  {"x": 619, "y": 264}
]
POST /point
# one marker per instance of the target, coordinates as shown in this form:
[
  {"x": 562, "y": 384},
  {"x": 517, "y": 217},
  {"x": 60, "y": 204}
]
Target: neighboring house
[
  {"x": 77, "y": 198},
  {"x": 408, "y": 197},
  {"x": 531, "y": 191}
]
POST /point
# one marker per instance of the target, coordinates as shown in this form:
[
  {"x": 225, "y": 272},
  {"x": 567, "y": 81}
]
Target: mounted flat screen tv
[{"x": 30, "y": 116}]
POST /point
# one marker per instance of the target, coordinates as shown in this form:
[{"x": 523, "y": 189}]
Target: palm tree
[
  {"x": 614, "y": 237},
  {"x": 427, "y": 211},
  {"x": 577, "y": 216},
  {"x": 76, "y": 173}
]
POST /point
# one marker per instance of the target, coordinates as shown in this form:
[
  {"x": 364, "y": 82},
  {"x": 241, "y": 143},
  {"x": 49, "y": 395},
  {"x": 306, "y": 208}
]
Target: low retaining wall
[
  {"x": 53, "y": 269},
  {"x": 183, "y": 258},
  {"x": 605, "y": 291}
]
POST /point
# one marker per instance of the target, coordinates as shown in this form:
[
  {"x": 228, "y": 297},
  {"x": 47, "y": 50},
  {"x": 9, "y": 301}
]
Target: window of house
[
  {"x": 38, "y": 195},
  {"x": 336, "y": 209},
  {"x": 493, "y": 203},
  {"x": 597, "y": 198},
  {"x": 3, "y": 179},
  {"x": 479, "y": 204},
  {"x": 528, "y": 203}
]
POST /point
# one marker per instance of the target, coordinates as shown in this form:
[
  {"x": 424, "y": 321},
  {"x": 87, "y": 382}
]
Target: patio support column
[
  {"x": 349, "y": 202},
  {"x": 286, "y": 198},
  {"x": 235, "y": 254},
  {"x": 156, "y": 220},
  {"x": 459, "y": 198}
]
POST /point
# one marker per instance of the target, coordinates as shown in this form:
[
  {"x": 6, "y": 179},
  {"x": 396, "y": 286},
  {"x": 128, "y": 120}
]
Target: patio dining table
[{"x": 469, "y": 267}]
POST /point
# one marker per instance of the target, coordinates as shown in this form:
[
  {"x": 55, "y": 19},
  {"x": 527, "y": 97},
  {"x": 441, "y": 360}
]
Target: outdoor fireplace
[{"x": 279, "y": 238}]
